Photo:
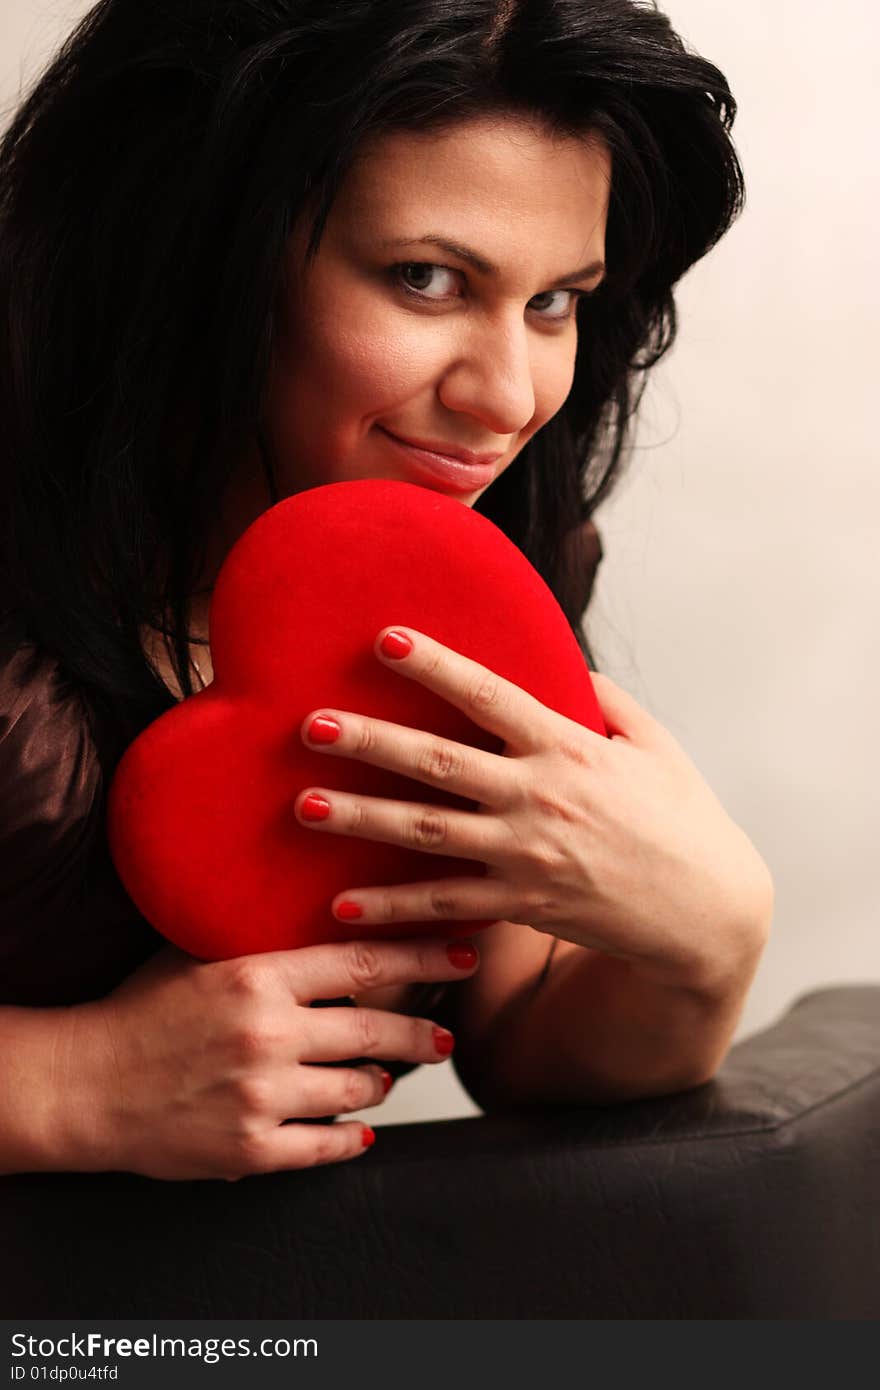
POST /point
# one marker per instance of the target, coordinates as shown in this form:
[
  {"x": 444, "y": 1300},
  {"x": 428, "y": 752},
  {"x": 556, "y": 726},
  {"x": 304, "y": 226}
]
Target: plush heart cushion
[{"x": 200, "y": 815}]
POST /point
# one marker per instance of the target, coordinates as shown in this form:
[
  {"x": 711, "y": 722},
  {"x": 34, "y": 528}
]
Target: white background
[{"x": 737, "y": 600}]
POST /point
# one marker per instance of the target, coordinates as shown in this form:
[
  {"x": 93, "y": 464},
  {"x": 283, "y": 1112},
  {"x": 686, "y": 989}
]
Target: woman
[{"x": 251, "y": 248}]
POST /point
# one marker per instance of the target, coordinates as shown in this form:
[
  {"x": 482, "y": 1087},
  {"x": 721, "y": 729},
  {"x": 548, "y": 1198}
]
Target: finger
[
  {"x": 486, "y": 778},
  {"x": 308, "y": 1146},
  {"x": 495, "y": 704},
  {"x": 482, "y": 900},
  {"x": 340, "y": 1034},
  {"x": 336, "y": 968},
  {"x": 411, "y": 824},
  {"x": 336, "y": 1090}
]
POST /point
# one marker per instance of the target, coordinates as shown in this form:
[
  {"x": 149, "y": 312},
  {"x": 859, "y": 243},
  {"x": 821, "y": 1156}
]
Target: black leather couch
[{"x": 757, "y": 1196}]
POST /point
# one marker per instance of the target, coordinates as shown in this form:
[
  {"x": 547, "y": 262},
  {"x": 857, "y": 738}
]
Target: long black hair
[{"x": 149, "y": 184}]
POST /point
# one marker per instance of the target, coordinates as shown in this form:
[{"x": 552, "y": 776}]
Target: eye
[
  {"x": 569, "y": 303},
  {"x": 433, "y": 283},
  {"x": 417, "y": 276}
]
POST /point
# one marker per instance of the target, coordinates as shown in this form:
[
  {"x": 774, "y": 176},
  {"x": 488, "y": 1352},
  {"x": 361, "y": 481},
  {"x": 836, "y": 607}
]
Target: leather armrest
[{"x": 755, "y": 1196}]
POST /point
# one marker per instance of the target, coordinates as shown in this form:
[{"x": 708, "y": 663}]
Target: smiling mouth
[
  {"x": 444, "y": 472},
  {"x": 454, "y": 453}
]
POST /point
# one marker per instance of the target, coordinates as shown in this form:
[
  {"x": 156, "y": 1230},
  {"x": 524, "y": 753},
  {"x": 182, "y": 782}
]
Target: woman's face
[{"x": 440, "y": 309}]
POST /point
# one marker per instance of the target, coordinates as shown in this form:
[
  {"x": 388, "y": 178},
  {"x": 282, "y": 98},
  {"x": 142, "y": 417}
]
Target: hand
[
  {"x": 192, "y": 1067},
  {"x": 612, "y": 843}
]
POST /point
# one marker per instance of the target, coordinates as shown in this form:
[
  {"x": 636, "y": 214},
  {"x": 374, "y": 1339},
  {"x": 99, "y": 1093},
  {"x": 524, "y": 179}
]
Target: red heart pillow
[{"x": 200, "y": 814}]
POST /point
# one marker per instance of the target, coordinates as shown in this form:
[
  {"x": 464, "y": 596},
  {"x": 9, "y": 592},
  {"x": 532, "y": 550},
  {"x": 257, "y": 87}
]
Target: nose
[{"x": 491, "y": 378}]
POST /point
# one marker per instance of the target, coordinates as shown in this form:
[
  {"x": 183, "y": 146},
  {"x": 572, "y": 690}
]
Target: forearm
[
  {"x": 45, "y": 1106},
  {"x": 599, "y": 1030}
]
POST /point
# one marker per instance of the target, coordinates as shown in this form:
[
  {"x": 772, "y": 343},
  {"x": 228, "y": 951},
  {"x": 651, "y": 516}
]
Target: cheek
[
  {"x": 552, "y": 380},
  {"x": 349, "y": 356},
  {"x": 340, "y": 363},
  {"x": 373, "y": 367}
]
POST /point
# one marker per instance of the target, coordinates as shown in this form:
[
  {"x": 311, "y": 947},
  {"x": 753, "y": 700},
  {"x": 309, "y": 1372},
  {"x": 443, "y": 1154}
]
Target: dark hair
[{"x": 148, "y": 185}]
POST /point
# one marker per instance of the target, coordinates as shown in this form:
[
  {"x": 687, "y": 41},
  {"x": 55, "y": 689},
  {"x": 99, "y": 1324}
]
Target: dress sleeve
[
  {"x": 68, "y": 930},
  {"x": 50, "y": 778}
]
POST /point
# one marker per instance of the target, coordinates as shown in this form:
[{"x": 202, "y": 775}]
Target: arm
[
  {"x": 591, "y": 1028},
  {"x": 45, "y": 1105},
  {"x": 612, "y": 844}
]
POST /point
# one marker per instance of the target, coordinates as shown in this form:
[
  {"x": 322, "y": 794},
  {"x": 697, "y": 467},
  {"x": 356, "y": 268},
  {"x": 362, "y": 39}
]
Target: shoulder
[
  {"x": 41, "y": 712},
  {"x": 49, "y": 768},
  {"x": 68, "y": 931}
]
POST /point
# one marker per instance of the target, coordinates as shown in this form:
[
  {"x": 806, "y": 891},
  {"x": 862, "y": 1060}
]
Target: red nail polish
[
  {"x": 349, "y": 911},
  {"x": 323, "y": 730},
  {"x": 368, "y": 1137},
  {"x": 443, "y": 1041},
  {"x": 315, "y": 808},
  {"x": 395, "y": 644},
  {"x": 387, "y": 1080},
  {"x": 462, "y": 954}
]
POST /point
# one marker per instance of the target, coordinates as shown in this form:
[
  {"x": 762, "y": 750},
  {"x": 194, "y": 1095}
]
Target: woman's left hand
[{"x": 615, "y": 843}]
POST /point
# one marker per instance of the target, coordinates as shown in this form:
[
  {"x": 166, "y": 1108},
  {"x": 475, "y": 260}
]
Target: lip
[
  {"x": 461, "y": 471},
  {"x": 446, "y": 451}
]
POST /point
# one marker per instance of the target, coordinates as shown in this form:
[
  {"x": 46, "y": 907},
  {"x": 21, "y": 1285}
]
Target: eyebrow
[{"x": 464, "y": 253}]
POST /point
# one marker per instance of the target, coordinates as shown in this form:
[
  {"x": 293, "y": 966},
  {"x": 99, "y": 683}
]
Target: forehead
[{"x": 508, "y": 179}]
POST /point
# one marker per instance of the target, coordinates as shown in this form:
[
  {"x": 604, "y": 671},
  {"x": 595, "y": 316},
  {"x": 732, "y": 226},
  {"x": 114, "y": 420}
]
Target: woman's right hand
[{"x": 195, "y": 1065}]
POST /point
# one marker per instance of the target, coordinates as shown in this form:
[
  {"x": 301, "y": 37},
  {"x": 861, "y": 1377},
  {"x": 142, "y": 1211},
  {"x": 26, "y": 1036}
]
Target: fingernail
[
  {"x": 462, "y": 954},
  {"x": 368, "y": 1137},
  {"x": 443, "y": 1041},
  {"x": 349, "y": 911},
  {"x": 323, "y": 730},
  {"x": 315, "y": 807},
  {"x": 395, "y": 644},
  {"x": 387, "y": 1080}
]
